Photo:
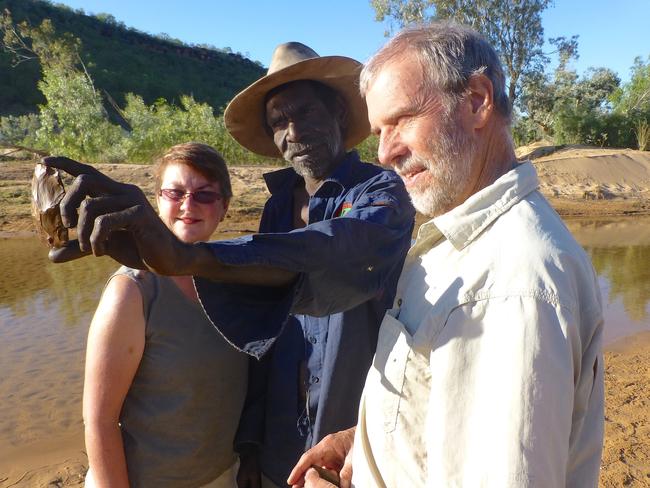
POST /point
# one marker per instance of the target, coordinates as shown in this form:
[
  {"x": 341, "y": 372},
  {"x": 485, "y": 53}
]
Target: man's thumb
[
  {"x": 313, "y": 479},
  {"x": 346, "y": 472}
]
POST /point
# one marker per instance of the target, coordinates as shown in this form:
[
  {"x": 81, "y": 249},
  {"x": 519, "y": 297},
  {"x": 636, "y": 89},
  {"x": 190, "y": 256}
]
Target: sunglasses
[{"x": 201, "y": 196}]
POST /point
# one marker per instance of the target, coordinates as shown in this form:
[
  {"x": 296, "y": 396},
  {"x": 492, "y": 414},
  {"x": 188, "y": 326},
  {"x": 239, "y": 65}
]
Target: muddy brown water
[
  {"x": 45, "y": 310},
  {"x": 620, "y": 252}
]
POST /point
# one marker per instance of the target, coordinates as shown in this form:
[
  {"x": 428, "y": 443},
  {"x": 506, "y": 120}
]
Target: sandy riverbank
[
  {"x": 579, "y": 182},
  {"x": 626, "y": 455}
]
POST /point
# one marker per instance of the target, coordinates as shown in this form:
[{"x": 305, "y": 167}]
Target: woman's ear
[{"x": 226, "y": 204}]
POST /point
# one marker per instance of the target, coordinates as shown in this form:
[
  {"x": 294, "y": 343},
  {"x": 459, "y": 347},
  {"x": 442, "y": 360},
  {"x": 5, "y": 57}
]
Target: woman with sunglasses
[{"x": 163, "y": 391}]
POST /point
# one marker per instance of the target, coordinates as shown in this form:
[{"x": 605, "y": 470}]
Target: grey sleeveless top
[{"x": 181, "y": 412}]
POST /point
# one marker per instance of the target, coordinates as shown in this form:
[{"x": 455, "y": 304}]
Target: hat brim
[{"x": 245, "y": 115}]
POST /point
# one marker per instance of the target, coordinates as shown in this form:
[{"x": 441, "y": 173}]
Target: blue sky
[{"x": 612, "y": 33}]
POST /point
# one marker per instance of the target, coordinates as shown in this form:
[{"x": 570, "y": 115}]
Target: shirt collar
[
  {"x": 279, "y": 179},
  {"x": 286, "y": 177},
  {"x": 463, "y": 224},
  {"x": 342, "y": 173}
]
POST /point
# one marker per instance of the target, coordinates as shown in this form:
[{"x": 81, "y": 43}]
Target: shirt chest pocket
[{"x": 393, "y": 350}]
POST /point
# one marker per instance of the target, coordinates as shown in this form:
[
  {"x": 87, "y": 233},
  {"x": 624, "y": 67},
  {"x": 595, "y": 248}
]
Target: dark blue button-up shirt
[{"x": 349, "y": 258}]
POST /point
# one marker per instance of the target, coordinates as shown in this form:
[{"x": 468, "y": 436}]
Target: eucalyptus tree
[
  {"x": 73, "y": 120},
  {"x": 513, "y": 27}
]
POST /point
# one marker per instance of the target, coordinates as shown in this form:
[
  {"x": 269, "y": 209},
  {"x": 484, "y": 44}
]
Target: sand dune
[{"x": 591, "y": 173}]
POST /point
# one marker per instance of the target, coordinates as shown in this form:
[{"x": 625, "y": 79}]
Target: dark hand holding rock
[{"x": 113, "y": 219}]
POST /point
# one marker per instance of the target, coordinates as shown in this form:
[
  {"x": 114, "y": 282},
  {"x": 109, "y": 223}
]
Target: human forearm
[
  {"x": 117, "y": 220},
  {"x": 344, "y": 261},
  {"x": 106, "y": 454},
  {"x": 200, "y": 260}
]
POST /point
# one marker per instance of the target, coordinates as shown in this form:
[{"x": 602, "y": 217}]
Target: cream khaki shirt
[{"x": 488, "y": 370}]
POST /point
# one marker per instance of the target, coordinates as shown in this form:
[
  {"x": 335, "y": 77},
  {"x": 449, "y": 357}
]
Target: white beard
[{"x": 448, "y": 170}]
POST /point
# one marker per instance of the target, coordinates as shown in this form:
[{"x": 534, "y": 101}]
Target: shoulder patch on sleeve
[{"x": 345, "y": 208}]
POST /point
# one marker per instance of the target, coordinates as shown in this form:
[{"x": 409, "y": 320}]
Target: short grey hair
[{"x": 450, "y": 54}]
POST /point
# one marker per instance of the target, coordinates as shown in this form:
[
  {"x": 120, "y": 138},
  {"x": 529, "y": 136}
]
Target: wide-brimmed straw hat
[{"x": 245, "y": 115}]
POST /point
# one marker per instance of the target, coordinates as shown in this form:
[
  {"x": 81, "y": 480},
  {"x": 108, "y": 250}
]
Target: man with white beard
[{"x": 488, "y": 370}]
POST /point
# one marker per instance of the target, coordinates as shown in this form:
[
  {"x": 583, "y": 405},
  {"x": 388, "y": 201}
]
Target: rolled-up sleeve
[{"x": 341, "y": 262}]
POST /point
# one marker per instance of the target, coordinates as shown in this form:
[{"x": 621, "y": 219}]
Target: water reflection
[
  {"x": 620, "y": 252},
  {"x": 628, "y": 275},
  {"x": 71, "y": 288},
  {"x": 45, "y": 310}
]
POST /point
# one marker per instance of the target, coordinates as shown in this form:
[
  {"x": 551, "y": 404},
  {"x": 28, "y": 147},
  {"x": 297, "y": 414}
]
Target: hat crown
[
  {"x": 245, "y": 115},
  {"x": 288, "y": 54}
]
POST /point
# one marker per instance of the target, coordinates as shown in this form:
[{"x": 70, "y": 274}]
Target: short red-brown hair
[{"x": 203, "y": 158}]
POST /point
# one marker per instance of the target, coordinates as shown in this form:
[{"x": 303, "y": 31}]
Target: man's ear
[
  {"x": 266, "y": 126},
  {"x": 480, "y": 93}
]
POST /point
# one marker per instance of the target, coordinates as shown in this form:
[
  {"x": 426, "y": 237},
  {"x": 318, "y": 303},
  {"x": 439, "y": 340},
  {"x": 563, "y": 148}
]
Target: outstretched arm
[
  {"x": 116, "y": 219},
  {"x": 343, "y": 261}
]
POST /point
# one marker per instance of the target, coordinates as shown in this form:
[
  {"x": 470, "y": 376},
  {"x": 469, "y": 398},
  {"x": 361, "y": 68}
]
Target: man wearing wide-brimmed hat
[
  {"x": 333, "y": 239},
  {"x": 307, "y": 109}
]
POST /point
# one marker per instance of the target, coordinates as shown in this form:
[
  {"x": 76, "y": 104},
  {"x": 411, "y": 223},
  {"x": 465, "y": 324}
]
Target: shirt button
[
  {"x": 399, "y": 302},
  {"x": 313, "y": 340},
  {"x": 315, "y": 379}
]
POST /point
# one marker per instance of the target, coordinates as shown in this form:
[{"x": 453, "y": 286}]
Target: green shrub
[
  {"x": 368, "y": 149},
  {"x": 642, "y": 132},
  {"x": 74, "y": 122},
  {"x": 155, "y": 128},
  {"x": 18, "y": 130},
  {"x": 525, "y": 131}
]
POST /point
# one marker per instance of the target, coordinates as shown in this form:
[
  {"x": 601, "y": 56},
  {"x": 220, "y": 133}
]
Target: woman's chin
[{"x": 190, "y": 236}]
